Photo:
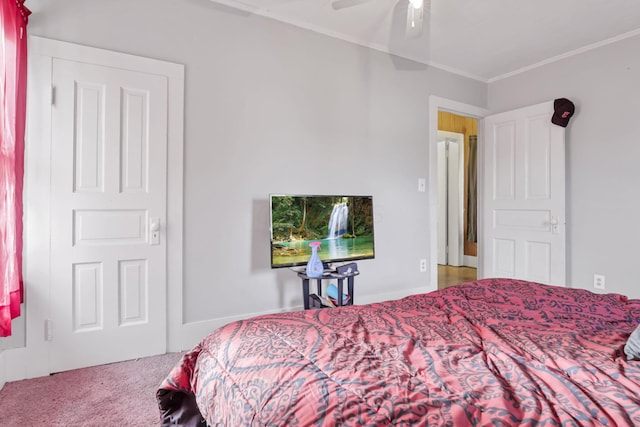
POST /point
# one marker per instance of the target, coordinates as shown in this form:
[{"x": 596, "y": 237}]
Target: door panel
[
  {"x": 109, "y": 145},
  {"x": 450, "y": 198},
  {"x": 442, "y": 202},
  {"x": 524, "y": 196}
]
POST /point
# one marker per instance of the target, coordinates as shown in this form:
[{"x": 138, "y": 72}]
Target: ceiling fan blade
[
  {"x": 343, "y": 4},
  {"x": 415, "y": 21}
]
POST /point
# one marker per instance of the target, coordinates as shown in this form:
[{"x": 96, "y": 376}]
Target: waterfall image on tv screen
[{"x": 342, "y": 224}]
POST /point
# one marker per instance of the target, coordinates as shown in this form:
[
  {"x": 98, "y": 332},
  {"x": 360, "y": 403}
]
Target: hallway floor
[{"x": 451, "y": 276}]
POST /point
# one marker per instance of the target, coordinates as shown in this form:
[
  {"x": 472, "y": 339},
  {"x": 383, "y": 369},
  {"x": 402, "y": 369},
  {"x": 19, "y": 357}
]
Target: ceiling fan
[{"x": 415, "y": 14}]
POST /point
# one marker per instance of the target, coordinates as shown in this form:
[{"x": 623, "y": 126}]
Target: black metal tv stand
[{"x": 341, "y": 273}]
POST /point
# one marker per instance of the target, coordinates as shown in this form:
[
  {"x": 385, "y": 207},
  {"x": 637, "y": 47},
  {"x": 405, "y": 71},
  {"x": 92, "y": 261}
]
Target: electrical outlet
[
  {"x": 598, "y": 281},
  {"x": 423, "y": 266}
]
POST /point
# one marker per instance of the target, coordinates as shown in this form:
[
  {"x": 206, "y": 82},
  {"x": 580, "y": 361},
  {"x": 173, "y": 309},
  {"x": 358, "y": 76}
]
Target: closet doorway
[
  {"x": 457, "y": 198},
  {"x": 450, "y": 198}
]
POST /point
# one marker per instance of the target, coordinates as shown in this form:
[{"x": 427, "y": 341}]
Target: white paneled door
[
  {"x": 524, "y": 196},
  {"x": 108, "y": 213}
]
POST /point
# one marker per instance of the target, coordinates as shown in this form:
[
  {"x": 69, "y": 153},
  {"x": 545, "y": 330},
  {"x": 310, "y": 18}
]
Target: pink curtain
[{"x": 13, "y": 91}]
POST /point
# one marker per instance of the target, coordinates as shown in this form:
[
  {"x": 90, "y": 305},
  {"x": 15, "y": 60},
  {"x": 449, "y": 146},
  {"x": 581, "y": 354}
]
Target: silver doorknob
[
  {"x": 154, "y": 228},
  {"x": 553, "y": 223}
]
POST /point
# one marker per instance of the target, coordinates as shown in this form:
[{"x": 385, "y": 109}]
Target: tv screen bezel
[{"x": 325, "y": 261}]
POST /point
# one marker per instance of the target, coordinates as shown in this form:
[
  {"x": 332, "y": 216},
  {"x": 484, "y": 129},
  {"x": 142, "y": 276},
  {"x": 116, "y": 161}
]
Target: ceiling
[{"x": 481, "y": 39}]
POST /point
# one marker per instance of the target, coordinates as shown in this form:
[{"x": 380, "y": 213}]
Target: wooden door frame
[
  {"x": 33, "y": 359},
  {"x": 436, "y": 104}
]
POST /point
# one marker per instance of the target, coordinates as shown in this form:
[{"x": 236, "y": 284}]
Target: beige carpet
[{"x": 119, "y": 394}]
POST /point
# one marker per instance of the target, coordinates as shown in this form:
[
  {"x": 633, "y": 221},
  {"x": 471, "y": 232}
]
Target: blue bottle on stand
[{"x": 314, "y": 266}]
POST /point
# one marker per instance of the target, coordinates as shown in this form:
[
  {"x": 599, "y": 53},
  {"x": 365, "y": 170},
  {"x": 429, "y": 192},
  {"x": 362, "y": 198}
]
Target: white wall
[
  {"x": 272, "y": 108},
  {"x": 603, "y": 150}
]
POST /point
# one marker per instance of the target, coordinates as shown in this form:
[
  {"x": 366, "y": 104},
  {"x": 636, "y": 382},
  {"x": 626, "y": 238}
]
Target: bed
[{"x": 497, "y": 352}]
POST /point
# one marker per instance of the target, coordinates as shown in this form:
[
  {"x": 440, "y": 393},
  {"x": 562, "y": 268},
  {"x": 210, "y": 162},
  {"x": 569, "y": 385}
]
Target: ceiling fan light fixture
[{"x": 415, "y": 18}]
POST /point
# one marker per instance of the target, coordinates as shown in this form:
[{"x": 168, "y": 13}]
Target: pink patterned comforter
[{"x": 495, "y": 352}]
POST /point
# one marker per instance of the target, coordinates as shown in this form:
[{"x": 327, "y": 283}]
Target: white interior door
[
  {"x": 450, "y": 198},
  {"x": 443, "y": 224},
  {"x": 523, "y": 196},
  {"x": 108, "y": 211}
]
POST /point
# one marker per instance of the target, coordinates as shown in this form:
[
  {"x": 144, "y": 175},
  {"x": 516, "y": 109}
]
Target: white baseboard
[
  {"x": 470, "y": 261},
  {"x": 3, "y": 369},
  {"x": 23, "y": 363},
  {"x": 15, "y": 364},
  {"x": 192, "y": 333},
  {"x": 387, "y": 296}
]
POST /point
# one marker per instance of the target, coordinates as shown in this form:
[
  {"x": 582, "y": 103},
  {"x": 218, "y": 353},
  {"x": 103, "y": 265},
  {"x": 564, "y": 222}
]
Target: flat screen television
[{"x": 342, "y": 224}]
